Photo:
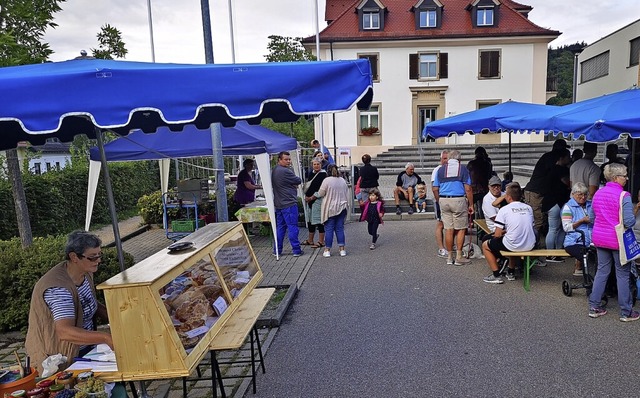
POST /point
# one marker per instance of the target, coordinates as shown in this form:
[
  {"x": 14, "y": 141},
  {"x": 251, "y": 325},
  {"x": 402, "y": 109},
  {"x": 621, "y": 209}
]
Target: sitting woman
[
  {"x": 575, "y": 217},
  {"x": 63, "y": 305}
]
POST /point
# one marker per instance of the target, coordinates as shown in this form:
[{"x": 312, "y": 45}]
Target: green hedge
[
  {"x": 20, "y": 269},
  {"x": 57, "y": 199}
]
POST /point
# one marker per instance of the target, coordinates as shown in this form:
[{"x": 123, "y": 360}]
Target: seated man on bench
[
  {"x": 514, "y": 232},
  {"x": 489, "y": 210}
]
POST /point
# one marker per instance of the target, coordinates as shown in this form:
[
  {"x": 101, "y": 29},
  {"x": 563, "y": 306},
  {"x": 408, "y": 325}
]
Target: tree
[
  {"x": 560, "y": 67},
  {"x": 287, "y": 49},
  {"x": 22, "y": 26},
  {"x": 110, "y": 44}
]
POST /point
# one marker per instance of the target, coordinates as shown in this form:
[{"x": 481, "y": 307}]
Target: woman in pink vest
[{"x": 606, "y": 215}]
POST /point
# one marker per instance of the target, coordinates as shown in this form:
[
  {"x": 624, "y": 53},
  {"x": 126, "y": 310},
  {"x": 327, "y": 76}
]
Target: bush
[{"x": 21, "y": 268}]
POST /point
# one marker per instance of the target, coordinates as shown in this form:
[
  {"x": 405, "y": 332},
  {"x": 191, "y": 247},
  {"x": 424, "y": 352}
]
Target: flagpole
[
  {"x": 153, "y": 50},
  {"x": 317, "y": 26}
]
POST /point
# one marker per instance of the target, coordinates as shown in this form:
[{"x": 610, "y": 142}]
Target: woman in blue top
[{"x": 575, "y": 217}]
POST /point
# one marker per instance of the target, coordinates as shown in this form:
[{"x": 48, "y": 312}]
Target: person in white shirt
[
  {"x": 514, "y": 232},
  {"x": 488, "y": 209}
]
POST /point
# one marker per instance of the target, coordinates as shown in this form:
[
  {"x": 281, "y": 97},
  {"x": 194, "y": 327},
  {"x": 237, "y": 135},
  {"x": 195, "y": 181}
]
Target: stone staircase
[{"x": 426, "y": 157}]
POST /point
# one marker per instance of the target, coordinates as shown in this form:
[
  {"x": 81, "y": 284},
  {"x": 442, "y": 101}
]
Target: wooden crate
[{"x": 146, "y": 342}]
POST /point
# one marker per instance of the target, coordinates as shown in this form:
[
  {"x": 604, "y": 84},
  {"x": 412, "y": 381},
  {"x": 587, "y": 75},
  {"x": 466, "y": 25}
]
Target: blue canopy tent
[
  {"x": 87, "y": 96},
  {"x": 483, "y": 120},
  {"x": 242, "y": 139},
  {"x": 599, "y": 119}
]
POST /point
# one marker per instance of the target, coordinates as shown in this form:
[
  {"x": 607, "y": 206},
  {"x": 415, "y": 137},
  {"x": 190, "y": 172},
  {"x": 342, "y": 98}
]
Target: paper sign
[
  {"x": 197, "y": 331},
  {"x": 220, "y": 305},
  {"x": 243, "y": 274},
  {"x": 233, "y": 256},
  {"x": 344, "y": 151}
]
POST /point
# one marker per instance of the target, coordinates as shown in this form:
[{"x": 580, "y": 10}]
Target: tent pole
[
  {"x": 112, "y": 205},
  {"x": 218, "y": 163},
  {"x": 509, "y": 151}
]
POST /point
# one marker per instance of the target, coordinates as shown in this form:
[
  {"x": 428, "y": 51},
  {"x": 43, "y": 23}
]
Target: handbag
[{"x": 628, "y": 245}]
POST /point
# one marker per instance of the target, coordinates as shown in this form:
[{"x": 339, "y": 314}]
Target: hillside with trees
[{"x": 560, "y": 66}]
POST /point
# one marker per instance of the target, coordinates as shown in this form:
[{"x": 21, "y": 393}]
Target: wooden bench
[
  {"x": 528, "y": 264},
  {"x": 481, "y": 225},
  {"x": 233, "y": 335}
]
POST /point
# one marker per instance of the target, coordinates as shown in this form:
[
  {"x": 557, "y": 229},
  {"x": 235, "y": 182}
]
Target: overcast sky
[{"x": 178, "y": 33}]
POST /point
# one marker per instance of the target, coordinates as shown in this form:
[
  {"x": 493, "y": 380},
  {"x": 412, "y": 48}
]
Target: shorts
[
  {"x": 496, "y": 246},
  {"x": 420, "y": 201},
  {"x": 454, "y": 213}
]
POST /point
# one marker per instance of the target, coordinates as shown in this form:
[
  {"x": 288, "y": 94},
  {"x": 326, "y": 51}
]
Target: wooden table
[{"x": 233, "y": 335}]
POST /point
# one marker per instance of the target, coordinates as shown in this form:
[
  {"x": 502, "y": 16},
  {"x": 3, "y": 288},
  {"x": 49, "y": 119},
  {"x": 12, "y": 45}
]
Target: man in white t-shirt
[
  {"x": 585, "y": 170},
  {"x": 488, "y": 209},
  {"x": 514, "y": 232},
  {"x": 442, "y": 252}
]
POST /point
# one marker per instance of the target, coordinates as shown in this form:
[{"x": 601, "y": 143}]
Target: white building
[
  {"x": 432, "y": 59},
  {"x": 610, "y": 64}
]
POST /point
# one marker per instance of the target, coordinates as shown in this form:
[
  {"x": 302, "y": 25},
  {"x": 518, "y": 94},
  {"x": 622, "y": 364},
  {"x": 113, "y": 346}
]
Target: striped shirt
[{"x": 60, "y": 302}]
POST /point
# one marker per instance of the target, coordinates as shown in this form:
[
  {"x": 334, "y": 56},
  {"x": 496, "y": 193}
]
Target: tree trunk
[{"x": 19, "y": 198}]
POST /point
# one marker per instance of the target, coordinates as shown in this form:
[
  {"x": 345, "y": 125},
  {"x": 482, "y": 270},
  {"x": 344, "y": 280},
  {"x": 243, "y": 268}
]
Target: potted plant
[{"x": 369, "y": 130}]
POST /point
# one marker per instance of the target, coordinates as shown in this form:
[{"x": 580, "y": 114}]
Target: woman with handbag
[
  {"x": 612, "y": 213},
  {"x": 313, "y": 204}
]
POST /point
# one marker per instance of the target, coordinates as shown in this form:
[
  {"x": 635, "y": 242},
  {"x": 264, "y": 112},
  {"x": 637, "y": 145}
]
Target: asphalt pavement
[{"x": 397, "y": 321}]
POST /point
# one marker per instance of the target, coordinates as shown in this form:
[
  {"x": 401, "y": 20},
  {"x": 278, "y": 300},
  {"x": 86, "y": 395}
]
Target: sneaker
[
  {"x": 343, "y": 253},
  {"x": 511, "y": 277},
  {"x": 373, "y": 246},
  {"x": 443, "y": 253},
  {"x": 597, "y": 312},
  {"x": 496, "y": 280},
  {"x": 398, "y": 211},
  {"x": 503, "y": 265},
  {"x": 326, "y": 254},
  {"x": 423, "y": 210},
  {"x": 449, "y": 261},
  {"x": 554, "y": 259},
  {"x": 298, "y": 254},
  {"x": 410, "y": 210},
  {"x": 633, "y": 316},
  {"x": 462, "y": 261},
  {"x": 578, "y": 272}
]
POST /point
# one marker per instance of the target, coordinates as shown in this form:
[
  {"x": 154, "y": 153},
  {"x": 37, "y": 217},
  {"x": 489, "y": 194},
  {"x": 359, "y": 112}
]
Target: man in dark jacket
[
  {"x": 538, "y": 185},
  {"x": 480, "y": 170},
  {"x": 285, "y": 198}
]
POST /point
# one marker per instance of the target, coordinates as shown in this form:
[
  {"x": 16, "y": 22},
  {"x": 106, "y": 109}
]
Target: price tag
[
  {"x": 220, "y": 305},
  {"x": 197, "y": 331}
]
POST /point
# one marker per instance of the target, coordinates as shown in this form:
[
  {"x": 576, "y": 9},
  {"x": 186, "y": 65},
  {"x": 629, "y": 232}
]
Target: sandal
[
  {"x": 307, "y": 243},
  {"x": 317, "y": 245}
]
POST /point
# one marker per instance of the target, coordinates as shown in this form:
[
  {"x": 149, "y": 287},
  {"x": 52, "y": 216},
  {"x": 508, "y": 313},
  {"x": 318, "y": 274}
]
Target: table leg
[
  {"x": 527, "y": 268},
  {"x": 215, "y": 370},
  {"x": 253, "y": 364},
  {"x": 255, "y": 330}
]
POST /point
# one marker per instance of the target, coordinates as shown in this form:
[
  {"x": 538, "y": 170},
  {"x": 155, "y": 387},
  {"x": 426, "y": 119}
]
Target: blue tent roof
[
  {"x": 63, "y": 99},
  {"x": 242, "y": 139},
  {"x": 599, "y": 119},
  {"x": 480, "y": 120}
]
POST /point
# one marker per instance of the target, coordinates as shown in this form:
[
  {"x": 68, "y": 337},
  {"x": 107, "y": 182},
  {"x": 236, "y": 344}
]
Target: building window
[
  {"x": 484, "y": 16},
  {"x": 594, "y": 67},
  {"x": 634, "y": 51},
  {"x": 428, "y": 19},
  {"x": 58, "y": 166},
  {"x": 429, "y": 66},
  {"x": 371, "y": 20},
  {"x": 489, "y": 64},
  {"x": 370, "y": 117},
  {"x": 37, "y": 168},
  {"x": 373, "y": 60},
  {"x": 486, "y": 104},
  {"x": 48, "y": 166}
]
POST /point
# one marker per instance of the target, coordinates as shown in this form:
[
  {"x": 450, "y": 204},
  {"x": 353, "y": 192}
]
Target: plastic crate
[{"x": 186, "y": 225}]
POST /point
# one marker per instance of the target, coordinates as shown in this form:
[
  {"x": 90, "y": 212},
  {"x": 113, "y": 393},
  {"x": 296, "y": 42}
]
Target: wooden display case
[{"x": 146, "y": 307}]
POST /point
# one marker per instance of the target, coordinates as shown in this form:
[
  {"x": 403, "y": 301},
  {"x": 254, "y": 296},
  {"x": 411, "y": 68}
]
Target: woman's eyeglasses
[{"x": 91, "y": 258}]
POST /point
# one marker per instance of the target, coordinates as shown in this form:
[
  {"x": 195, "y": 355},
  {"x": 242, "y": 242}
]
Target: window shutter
[
  {"x": 444, "y": 65},
  {"x": 495, "y": 64},
  {"x": 413, "y": 67}
]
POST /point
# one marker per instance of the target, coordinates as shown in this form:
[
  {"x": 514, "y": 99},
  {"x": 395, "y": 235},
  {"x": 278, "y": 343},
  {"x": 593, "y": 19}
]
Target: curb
[
  {"x": 281, "y": 311},
  {"x": 135, "y": 233}
]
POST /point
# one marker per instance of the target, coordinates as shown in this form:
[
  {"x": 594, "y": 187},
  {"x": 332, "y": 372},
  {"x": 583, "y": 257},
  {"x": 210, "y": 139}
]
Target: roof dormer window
[
  {"x": 371, "y": 15},
  {"x": 371, "y": 20},
  {"x": 428, "y": 14},
  {"x": 484, "y": 16}
]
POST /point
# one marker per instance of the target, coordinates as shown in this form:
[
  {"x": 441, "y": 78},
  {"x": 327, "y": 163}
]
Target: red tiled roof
[{"x": 400, "y": 22}]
